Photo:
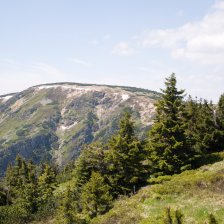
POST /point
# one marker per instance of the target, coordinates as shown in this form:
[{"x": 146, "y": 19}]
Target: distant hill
[{"x": 53, "y": 121}]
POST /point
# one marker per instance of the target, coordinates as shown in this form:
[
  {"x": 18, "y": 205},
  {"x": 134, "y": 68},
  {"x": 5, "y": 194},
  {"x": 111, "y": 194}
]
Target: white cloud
[
  {"x": 80, "y": 62},
  {"x": 201, "y": 41},
  {"x": 219, "y": 5},
  {"x": 123, "y": 49}
]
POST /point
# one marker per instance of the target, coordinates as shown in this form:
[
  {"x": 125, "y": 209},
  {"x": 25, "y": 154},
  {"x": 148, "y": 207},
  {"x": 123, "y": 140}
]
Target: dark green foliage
[
  {"x": 26, "y": 193},
  {"x": 46, "y": 186},
  {"x": 91, "y": 159},
  {"x": 212, "y": 219},
  {"x": 95, "y": 197},
  {"x": 176, "y": 218},
  {"x": 21, "y": 191},
  {"x": 125, "y": 157},
  {"x": 220, "y": 123},
  {"x": 169, "y": 148},
  {"x": 220, "y": 113},
  {"x": 66, "y": 212},
  {"x": 13, "y": 214},
  {"x": 168, "y": 217},
  {"x": 103, "y": 172},
  {"x": 20, "y": 180},
  {"x": 204, "y": 130},
  {"x": 3, "y": 197}
]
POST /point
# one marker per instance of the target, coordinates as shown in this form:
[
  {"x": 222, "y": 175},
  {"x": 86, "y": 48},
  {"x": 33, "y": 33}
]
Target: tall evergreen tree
[
  {"x": 220, "y": 124},
  {"x": 125, "y": 156},
  {"x": 204, "y": 127},
  {"x": 21, "y": 185},
  {"x": 66, "y": 212},
  {"x": 46, "y": 185},
  {"x": 220, "y": 113},
  {"x": 92, "y": 158},
  {"x": 95, "y": 197},
  {"x": 169, "y": 147}
]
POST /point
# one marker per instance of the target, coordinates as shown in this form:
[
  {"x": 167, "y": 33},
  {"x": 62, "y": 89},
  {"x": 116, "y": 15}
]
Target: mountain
[{"x": 54, "y": 121}]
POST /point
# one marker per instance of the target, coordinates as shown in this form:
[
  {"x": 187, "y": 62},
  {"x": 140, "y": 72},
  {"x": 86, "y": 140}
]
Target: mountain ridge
[
  {"x": 53, "y": 121},
  {"x": 85, "y": 84}
]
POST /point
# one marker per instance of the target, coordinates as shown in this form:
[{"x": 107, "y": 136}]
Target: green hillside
[{"x": 196, "y": 193}]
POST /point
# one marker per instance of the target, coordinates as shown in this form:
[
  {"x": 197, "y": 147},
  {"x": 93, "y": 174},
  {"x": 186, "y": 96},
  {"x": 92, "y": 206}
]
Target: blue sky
[{"x": 121, "y": 42}]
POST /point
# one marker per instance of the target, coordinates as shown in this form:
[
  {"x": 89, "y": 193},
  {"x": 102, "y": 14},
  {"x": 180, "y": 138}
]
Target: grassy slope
[{"x": 196, "y": 193}]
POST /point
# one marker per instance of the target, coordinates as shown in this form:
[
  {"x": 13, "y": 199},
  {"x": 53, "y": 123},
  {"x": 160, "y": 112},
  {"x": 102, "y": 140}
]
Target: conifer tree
[
  {"x": 204, "y": 129},
  {"x": 66, "y": 212},
  {"x": 3, "y": 197},
  {"x": 191, "y": 119},
  {"x": 17, "y": 171},
  {"x": 28, "y": 198},
  {"x": 169, "y": 147},
  {"x": 10, "y": 182},
  {"x": 22, "y": 185},
  {"x": 220, "y": 113},
  {"x": 95, "y": 197},
  {"x": 220, "y": 124},
  {"x": 30, "y": 191},
  {"x": 92, "y": 158},
  {"x": 124, "y": 157},
  {"x": 16, "y": 178},
  {"x": 46, "y": 185}
]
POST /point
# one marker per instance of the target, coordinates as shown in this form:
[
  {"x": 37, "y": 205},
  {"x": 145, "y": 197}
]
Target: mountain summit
[{"x": 53, "y": 121}]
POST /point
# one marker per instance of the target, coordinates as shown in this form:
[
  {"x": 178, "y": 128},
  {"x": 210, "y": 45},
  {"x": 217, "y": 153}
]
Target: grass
[{"x": 197, "y": 193}]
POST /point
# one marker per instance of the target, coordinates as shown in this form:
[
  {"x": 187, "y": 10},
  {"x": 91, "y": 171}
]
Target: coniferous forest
[{"x": 187, "y": 134}]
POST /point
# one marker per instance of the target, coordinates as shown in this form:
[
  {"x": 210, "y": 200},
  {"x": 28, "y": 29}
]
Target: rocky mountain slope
[{"x": 53, "y": 121}]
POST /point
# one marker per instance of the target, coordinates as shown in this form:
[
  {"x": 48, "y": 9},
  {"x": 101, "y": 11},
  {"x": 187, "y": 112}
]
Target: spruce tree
[
  {"x": 220, "y": 113},
  {"x": 125, "y": 157},
  {"x": 95, "y": 197},
  {"x": 169, "y": 147},
  {"x": 3, "y": 197},
  {"x": 92, "y": 158},
  {"x": 204, "y": 126},
  {"x": 66, "y": 211},
  {"x": 46, "y": 186},
  {"x": 10, "y": 182},
  {"x": 192, "y": 119},
  {"x": 220, "y": 124},
  {"x": 21, "y": 185}
]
